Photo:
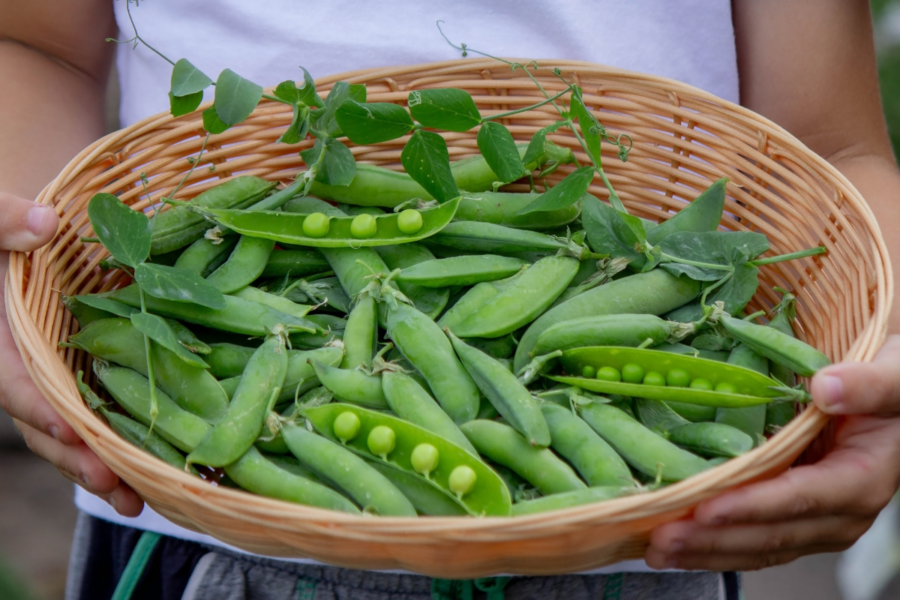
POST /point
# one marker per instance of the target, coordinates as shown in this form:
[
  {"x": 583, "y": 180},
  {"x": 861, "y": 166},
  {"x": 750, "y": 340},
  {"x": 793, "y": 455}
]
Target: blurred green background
[{"x": 887, "y": 42}]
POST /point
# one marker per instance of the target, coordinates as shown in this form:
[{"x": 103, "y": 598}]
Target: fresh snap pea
[
  {"x": 294, "y": 263},
  {"x": 187, "y": 339},
  {"x": 538, "y": 466},
  {"x": 751, "y": 419},
  {"x": 502, "y": 208},
  {"x": 473, "y": 236},
  {"x": 351, "y": 385},
  {"x": 430, "y": 301},
  {"x": 255, "y": 396},
  {"x": 84, "y": 313},
  {"x": 711, "y": 439},
  {"x": 325, "y": 290},
  {"x": 141, "y": 436},
  {"x": 361, "y": 334},
  {"x": 193, "y": 388},
  {"x": 246, "y": 263},
  {"x": 477, "y": 296},
  {"x": 282, "y": 305},
  {"x": 799, "y": 357},
  {"x": 593, "y": 458},
  {"x": 501, "y": 348},
  {"x": 204, "y": 255},
  {"x": 411, "y": 402},
  {"x": 608, "y": 330},
  {"x": 330, "y": 328},
  {"x": 330, "y": 460},
  {"x": 424, "y": 496},
  {"x": 569, "y": 499},
  {"x": 657, "y": 415},
  {"x": 180, "y": 226},
  {"x": 230, "y": 385},
  {"x": 425, "y": 346},
  {"x": 779, "y": 414},
  {"x": 655, "y": 292},
  {"x": 461, "y": 270},
  {"x": 523, "y": 300},
  {"x": 488, "y": 495},
  {"x": 131, "y": 390},
  {"x": 260, "y": 475},
  {"x": 511, "y": 399},
  {"x": 643, "y": 449}
]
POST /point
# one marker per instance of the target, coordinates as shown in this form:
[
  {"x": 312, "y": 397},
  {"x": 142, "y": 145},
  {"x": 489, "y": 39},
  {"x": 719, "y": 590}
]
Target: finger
[
  {"x": 861, "y": 388},
  {"x": 123, "y": 499},
  {"x": 25, "y": 225}
]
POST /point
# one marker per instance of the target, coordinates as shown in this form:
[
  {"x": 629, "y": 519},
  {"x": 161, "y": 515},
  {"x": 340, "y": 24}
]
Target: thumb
[
  {"x": 25, "y": 225},
  {"x": 861, "y": 387}
]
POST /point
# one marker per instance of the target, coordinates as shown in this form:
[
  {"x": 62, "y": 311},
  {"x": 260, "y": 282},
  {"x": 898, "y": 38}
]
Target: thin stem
[
  {"x": 684, "y": 261},
  {"x": 714, "y": 287},
  {"x": 791, "y": 256},
  {"x": 154, "y": 404},
  {"x": 193, "y": 166},
  {"x": 527, "y": 108},
  {"x": 754, "y": 316},
  {"x": 274, "y": 98},
  {"x": 613, "y": 196},
  {"x": 138, "y": 37}
]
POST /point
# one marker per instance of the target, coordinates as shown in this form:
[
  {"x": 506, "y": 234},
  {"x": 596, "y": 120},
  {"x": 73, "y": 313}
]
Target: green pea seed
[
  {"x": 462, "y": 480},
  {"x": 409, "y": 221},
  {"x": 701, "y": 384},
  {"x": 726, "y": 387},
  {"x": 316, "y": 225},
  {"x": 632, "y": 373},
  {"x": 655, "y": 378},
  {"x": 678, "y": 378},
  {"x": 381, "y": 441},
  {"x": 363, "y": 226},
  {"x": 346, "y": 426},
  {"x": 589, "y": 372},
  {"x": 424, "y": 458},
  {"x": 608, "y": 374}
]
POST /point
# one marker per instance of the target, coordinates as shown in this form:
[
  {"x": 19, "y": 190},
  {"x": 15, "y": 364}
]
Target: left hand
[{"x": 823, "y": 507}]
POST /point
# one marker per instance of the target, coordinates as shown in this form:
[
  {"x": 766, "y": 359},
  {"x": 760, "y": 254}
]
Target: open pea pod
[
  {"x": 287, "y": 227},
  {"x": 750, "y": 388},
  {"x": 487, "y": 497}
]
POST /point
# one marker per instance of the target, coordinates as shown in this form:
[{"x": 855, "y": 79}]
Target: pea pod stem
[{"x": 790, "y": 256}]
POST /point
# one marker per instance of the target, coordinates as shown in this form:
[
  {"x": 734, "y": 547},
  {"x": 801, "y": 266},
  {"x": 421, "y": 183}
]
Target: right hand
[{"x": 26, "y": 226}]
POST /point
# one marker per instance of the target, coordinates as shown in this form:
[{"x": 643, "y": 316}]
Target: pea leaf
[
  {"x": 727, "y": 248},
  {"x": 535, "y": 150},
  {"x": 340, "y": 92},
  {"x": 287, "y": 91},
  {"x": 563, "y": 194},
  {"x": 180, "y": 285},
  {"x": 126, "y": 233},
  {"x": 299, "y": 127},
  {"x": 372, "y": 122},
  {"x": 427, "y": 161},
  {"x": 449, "y": 109},
  {"x": 499, "y": 150},
  {"x": 187, "y": 79},
  {"x": 588, "y": 125},
  {"x": 111, "y": 306},
  {"x": 308, "y": 94},
  {"x": 738, "y": 290},
  {"x": 608, "y": 232},
  {"x": 337, "y": 167},
  {"x": 236, "y": 97},
  {"x": 157, "y": 329},
  {"x": 211, "y": 121},
  {"x": 182, "y": 105}
]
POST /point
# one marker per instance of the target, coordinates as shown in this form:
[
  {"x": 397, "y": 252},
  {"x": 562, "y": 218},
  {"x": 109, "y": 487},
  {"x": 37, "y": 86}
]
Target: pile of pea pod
[{"x": 437, "y": 359}]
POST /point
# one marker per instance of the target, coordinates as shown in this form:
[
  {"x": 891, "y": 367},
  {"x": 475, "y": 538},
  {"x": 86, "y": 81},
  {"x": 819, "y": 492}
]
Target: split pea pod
[
  {"x": 426, "y": 347},
  {"x": 609, "y": 330},
  {"x": 502, "y": 208},
  {"x": 351, "y": 385},
  {"x": 330, "y": 460},
  {"x": 246, "y": 263},
  {"x": 361, "y": 334},
  {"x": 200, "y": 256},
  {"x": 569, "y": 499},
  {"x": 430, "y": 301},
  {"x": 751, "y": 419},
  {"x": 461, "y": 270},
  {"x": 255, "y": 396},
  {"x": 511, "y": 399},
  {"x": 799, "y": 357},
  {"x": 712, "y": 439},
  {"x": 538, "y": 466},
  {"x": 294, "y": 263}
]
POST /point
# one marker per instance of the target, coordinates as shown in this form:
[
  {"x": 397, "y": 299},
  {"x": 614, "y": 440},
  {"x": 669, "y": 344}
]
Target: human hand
[
  {"x": 26, "y": 226},
  {"x": 823, "y": 507}
]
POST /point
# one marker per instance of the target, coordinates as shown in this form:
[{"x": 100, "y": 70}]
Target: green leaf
[
  {"x": 339, "y": 93},
  {"x": 588, "y": 125},
  {"x": 565, "y": 193},
  {"x": 236, "y": 97},
  {"x": 126, "y": 233},
  {"x": 158, "y": 330},
  {"x": 427, "y": 161},
  {"x": 111, "y": 306},
  {"x": 211, "y": 121},
  {"x": 449, "y": 109},
  {"x": 308, "y": 94},
  {"x": 287, "y": 91},
  {"x": 535, "y": 150},
  {"x": 299, "y": 127},
  {"x": 608, "y": 233},
  {"x": 373, "y": 122},
  {"x": 499, "y": 150},
  {"x": 727, "y": 248},
  {"x": 180, "y": 285},
  {"x": 188, "y": 79},
  {"x": 182, "y": 105},
  {"x": 337, "y": 167},
  {"x": 738, "y": 290}
]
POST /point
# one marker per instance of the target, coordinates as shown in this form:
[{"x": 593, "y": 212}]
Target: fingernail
[
  {"x": 831, "y": 393},
  {"x": 54, "y": 432},
  {"x": 86, "y": 481},
  {"x": 37, "y": 218}
]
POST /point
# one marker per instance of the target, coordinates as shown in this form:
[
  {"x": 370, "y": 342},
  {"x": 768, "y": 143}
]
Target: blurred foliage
[
  {"x": 11, "y": 586},
  {"x": 889, "y": 67}
]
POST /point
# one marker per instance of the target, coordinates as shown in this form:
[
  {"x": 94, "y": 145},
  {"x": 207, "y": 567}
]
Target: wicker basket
[{"x": 683, "y": 140}]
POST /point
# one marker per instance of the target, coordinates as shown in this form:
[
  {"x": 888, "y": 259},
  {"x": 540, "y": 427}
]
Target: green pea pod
[
  {"x": 230, "y": 385},
  {"x": 473, "y": 236},
  {"x": 704, "y": 213},
  {"x": 330, "y": 327},
  {"x": 411, "y": 402},
  {"x": 488, "y": 496},
  {"x": 779, "y": 414},
  {"x": 693, "y": 412},
  {"x": 255, "y": 473},
  {"x": 180, "y": 225},
  {"x": 368, "y": 487},
  {"x": 141, "y": 436},
  {"x": 361, "y": 334},
  {"x": 711, "y": 439},
  {"x": 132, "y": 392},
  {"x": 538, "y": 466},
  {"x": 187, "y": 338},
  {"x": 696, "y": 413},
  {"x": 569, "y": 499},
  {"x": 529, "y": 295},
  {"x": 425, "y": 497},
  {"x": 202, "y": 254},
  {"x": 511, "y": 399},
  {"x": 351, "y": 385},
  {"x": 608, "y": 330},
  {"x": 193, "y": 388},
  {"x": 244, "y": 266},
  {"x": 84, "y": 313},
  {"x": 655, "y": 292},
  {"x": 255, "y": 396},
  {"x": 593, "y": 458},
  {"x": 502, "y": 208},
  {"x": 282, "y": 305},
  {"x": 643, "y": 449},
  {"x": 425, "y": 346},
  {"x": 461, "y": 270},
  {"x": 301, "y": 376},
  {"x": 685, "y": 350},
  {"x": 658, "y": 416},
  {"x": 430, "y": 301},
  {"x": 238, "y": 316},
  {"x": 294, "y": 263},
  {"x": 799, "y": 357},
  {"x": 501, "y": 347},
  {"x": 751, "y": 419},
  {"x": 472, "y": 300}
]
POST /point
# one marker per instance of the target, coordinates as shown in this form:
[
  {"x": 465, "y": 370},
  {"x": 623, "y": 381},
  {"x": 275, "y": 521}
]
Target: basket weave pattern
[{"x": 683, "y": 140}]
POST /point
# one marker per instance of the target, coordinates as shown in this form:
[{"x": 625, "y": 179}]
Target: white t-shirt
[{"x": 688, "y": 40}]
